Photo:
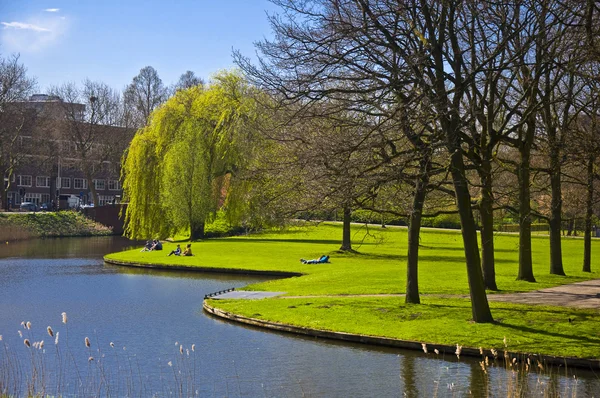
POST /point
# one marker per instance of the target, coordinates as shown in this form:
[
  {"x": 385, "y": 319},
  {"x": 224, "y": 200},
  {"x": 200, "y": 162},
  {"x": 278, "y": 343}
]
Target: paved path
[
  {"x": 248, "y": 295},
  {"x": 578, "y": 295}
]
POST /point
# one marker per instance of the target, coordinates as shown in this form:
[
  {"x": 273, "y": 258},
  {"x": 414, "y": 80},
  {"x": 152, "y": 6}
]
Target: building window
[
  {"x": 63, "y": 182},
  {"x": 42, "y": 182},
  {"x": 45, "y": 198},
  {"x": 99, "y": 184},
  {"x": 33, "y": 197},
  {"x": 80, "y": 183},
  {"x": 105, "y": 200},
  {"x": 113, "y": 185},
  {"x": 24, "y": 181}
]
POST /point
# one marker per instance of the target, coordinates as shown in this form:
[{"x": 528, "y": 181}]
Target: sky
[{"x": 62, "y": 41}]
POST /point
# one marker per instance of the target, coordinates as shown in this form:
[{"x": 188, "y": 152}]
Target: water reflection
[
  {"x": 80, "y": 247},
  {"x": 145, "y": 312}
]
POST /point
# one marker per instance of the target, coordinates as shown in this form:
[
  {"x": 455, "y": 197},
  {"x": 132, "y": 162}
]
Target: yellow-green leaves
[{"x": 176, "y": 167}]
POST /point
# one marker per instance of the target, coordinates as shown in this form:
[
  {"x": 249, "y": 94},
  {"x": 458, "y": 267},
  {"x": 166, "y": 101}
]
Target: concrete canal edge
[
  {"x": 202, "y": 269},
  {"x": 583, "y": 363},
  {"x": 544, "y": 360}
]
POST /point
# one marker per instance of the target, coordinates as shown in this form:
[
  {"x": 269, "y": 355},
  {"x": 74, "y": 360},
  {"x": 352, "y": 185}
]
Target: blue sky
[{"x": 110, "y": 41}]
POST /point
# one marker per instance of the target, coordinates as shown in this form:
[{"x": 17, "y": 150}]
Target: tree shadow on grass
[
  {"x": 288, "y": 240},
  {"x": 571, "y": 336},
  {"x": 516, "y": 307},
  {"x": 525, "y": 329},
  {"x": 461, "y": 249}
]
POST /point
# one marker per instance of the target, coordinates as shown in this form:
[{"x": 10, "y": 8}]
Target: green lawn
[
  {"x": 378, "y": 267},
  {"x": 532, "y": 329}
]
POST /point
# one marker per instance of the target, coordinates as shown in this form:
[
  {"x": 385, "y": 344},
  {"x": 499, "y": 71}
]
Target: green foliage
[
  {"x": 180, "y": 169},
  {"x": 538, "y": 227},
  {"x": 451, "y": 221},
  {"x": 370, "y": 217}
]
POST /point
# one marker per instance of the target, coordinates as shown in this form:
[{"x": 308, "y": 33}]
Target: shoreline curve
[
  {"x": 581, "y": 363},
  {"x": 202, "y": 269}
]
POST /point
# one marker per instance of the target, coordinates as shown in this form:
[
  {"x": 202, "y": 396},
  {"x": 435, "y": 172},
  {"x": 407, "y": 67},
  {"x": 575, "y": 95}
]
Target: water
[{"x": 146, "y": 312}]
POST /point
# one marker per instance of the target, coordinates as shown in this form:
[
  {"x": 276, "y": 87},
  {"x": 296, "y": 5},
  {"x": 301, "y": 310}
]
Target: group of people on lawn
[
  {"x": 152, "y": 245},
  {"x": 156, "y": 244},
  {"x": 178, "y": 252}
]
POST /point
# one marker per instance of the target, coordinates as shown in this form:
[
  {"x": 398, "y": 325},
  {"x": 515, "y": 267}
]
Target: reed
[
  {"x": 509, "y": 375},
  {"x": 35, "y": 370}
]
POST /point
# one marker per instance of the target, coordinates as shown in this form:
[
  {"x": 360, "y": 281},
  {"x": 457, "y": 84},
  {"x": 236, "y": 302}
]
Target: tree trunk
[
  {"x": 486, "y": 211},
  {"x": 570, "y": 226},
  {"x": 4, "y": 197},
  {"x": 414, "y": 229},
  {"x": 91, "y": 187},
  {"x": 346, "y": 242},
  {"x": 525, "y": 261},
  {"x": 479, "y": 304},
  {"x": 556, "y": 263},
  {"x": 587, "y": 240},
  {"x": 196, "y": 231}
]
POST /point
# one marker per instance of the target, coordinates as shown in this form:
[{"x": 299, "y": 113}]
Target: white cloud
[
  {"x": 34, "y": 34},
  {"x": 22, "y": 25},
  {"x": 52, "y": 9}
]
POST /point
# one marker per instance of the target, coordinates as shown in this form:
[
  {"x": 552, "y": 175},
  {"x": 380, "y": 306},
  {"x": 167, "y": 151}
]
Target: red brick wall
[{"x": 109, "y": 215}]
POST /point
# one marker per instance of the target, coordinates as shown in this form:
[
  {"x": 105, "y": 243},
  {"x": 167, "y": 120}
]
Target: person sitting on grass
[
  {"x": 320, "y": 260},
  {"x": 188, "y": 250},
  {"x": 148, "y": 246},
  {"x": 157, "y": 245},
  {"x": 176, "y": 252}
]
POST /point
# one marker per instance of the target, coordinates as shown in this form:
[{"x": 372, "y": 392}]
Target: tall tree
[
  {"x": 144, "y": 94},
  {"x": 16, "y": 120},
  {"x": 179, "y": 169},
  {"x": 188, "y": 80},
  {"x": 584, "y": 148},
  {"x": 376, "y": 56},
  {"x": 90, "y": 126}
]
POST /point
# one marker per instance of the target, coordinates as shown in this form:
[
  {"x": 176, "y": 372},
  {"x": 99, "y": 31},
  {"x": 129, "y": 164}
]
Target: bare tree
[
  {"x": 144, "y": 94},
  {"x": 187, "y": 80},
  {"x": 16, "y": 119},
  {"x": 90, "y": 128},
  {"x": 383, "y": 55}
]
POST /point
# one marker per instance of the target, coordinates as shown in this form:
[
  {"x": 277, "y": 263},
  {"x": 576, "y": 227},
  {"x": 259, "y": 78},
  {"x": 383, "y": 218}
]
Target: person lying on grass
[{"x": 320, "y": 260}]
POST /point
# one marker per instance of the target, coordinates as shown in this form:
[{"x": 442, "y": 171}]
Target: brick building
[{"x": 59, "y": 164}]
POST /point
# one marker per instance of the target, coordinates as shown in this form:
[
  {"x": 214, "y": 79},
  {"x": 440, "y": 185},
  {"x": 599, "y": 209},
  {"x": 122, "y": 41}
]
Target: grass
[
  {"x": 14, "y": 226},
  {"x": 532, "y": 329},
  {"x": 379, "y": 267}
]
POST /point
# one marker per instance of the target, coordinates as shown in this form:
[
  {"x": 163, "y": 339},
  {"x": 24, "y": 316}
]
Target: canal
[{"x": 149, "y": 336}]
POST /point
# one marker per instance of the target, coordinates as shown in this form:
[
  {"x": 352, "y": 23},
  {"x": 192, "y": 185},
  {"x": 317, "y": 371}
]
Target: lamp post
[{"x": 58, "y": 186}]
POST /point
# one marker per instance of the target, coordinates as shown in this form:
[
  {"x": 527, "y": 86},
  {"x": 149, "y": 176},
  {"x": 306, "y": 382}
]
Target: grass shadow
[{"x": 311, "y": 241}]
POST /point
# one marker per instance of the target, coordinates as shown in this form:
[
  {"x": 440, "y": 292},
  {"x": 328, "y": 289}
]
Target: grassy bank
[
  {"x": 378, "y": 267},
  {"x": 15, "y": 226}
]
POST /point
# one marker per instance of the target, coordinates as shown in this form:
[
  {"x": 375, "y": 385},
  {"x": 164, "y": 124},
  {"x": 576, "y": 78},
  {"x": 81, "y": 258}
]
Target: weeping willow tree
[{"x": 181, "y": 167}]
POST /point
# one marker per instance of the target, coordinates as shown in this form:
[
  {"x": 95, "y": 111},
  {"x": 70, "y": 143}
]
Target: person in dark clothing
[
  {"x": 176, "y": 252},
  {"x": 157, "y": 245}
]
